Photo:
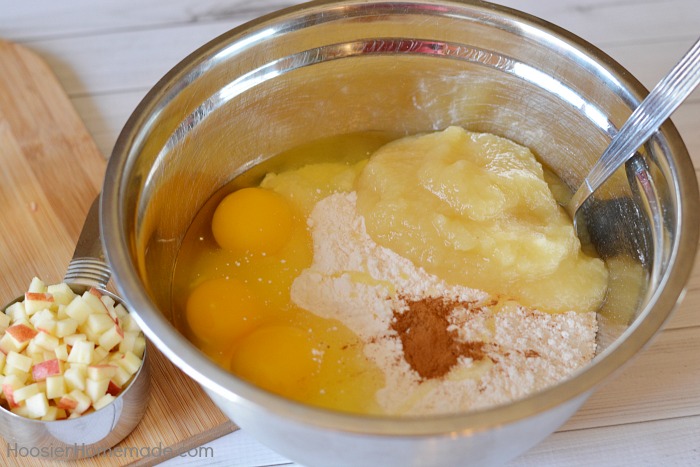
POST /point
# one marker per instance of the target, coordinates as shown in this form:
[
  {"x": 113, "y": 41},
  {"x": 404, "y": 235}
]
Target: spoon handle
[
  {"x": 88, "y": 265},
  {"x": 666, "y": 96}
]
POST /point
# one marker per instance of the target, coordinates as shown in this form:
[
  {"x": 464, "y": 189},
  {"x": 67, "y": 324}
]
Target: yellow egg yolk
[
  {"x": 252, "y": 219},
  {"x": 274, "y": 357},
  {"x": 221, "y": 310}
]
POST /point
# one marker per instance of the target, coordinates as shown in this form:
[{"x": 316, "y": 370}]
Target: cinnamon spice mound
[{"x": 428, "y": 346}]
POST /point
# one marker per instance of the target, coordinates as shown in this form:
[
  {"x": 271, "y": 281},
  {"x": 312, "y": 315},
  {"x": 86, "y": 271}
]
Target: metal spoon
[{"x": 668, "y": 94}]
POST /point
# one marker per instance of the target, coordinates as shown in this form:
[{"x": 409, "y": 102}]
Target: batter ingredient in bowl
[
  {"x": 368, "y": 303},
  {"x": 441, "y": 347},
  {"x": 476, "y": 210}
]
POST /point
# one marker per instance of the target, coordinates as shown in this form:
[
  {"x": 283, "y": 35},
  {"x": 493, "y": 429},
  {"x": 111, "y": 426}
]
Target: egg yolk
[
  {"x": 275, "y": 357},
  {"x": 252, "y": 219},
  {"x": 221, "y": 310}
]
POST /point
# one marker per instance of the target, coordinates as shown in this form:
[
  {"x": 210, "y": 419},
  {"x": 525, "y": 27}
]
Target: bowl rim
[{"x": 195, "y": 364}]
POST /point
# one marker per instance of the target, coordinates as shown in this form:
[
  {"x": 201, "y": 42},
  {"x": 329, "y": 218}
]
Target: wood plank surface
[{"x": 50, "y": 171}]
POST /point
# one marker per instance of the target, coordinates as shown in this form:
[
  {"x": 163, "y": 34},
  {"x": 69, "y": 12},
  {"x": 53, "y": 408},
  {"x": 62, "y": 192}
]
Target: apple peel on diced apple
[
  {"x": 47, "y": 368},
  {"x": 16, "y": 338},
  {"x": 64, "y": 354}
]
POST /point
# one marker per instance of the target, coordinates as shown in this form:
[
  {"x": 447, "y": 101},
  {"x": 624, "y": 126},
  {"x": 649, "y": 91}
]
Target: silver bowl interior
[{"x": 331, "y": 68}]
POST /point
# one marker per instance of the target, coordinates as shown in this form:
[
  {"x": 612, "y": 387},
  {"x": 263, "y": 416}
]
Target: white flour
[{"x": 360, "y": 283}]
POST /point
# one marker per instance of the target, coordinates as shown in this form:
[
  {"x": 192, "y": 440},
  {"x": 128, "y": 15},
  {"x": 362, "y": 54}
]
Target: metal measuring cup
[{"x": 96, "y": 432}]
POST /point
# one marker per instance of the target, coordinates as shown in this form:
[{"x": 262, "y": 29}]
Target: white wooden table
[{"x": 108, "y": 53}]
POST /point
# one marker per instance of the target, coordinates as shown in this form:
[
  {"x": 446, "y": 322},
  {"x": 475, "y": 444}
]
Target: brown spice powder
[{"x": 429, "y": 348}]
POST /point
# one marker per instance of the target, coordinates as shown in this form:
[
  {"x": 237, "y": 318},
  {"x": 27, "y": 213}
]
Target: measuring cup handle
[{"x": 88, "y": 266}]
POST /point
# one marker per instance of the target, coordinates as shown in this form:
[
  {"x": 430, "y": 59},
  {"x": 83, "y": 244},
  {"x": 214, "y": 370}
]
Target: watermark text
[{"x": 82, "y": 450}]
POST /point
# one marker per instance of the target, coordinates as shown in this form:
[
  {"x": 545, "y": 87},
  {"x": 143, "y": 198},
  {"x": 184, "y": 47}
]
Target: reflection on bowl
[{"x": 334, "y": 68}]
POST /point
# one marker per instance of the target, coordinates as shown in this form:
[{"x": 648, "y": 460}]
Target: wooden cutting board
[{"x": 50, "y": 172}]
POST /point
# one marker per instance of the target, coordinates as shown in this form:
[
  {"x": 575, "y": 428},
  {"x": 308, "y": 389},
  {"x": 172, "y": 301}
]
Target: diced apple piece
[
  {"x": 121, "y": 377},
  {"x": 51, "y": 414},
  {"x": 5, "y": 321},
  {"x": 73, "y": 338},
  {"x": 55, "y": 386},
  {"x": 108, "y": 301},
  {"x": 37, "y": 296},
  {"x": 130, "y": 362},
  {"x": 81, "y": 367},
  {"x": 34, "y": 301},
  {"x": 74, "y": 378},
  {"x": 37, "y": 405},
  {"x": 61, "y": 312},
  {"x": 139, "y": 347},
  {"x": 113, "y": 388},
  {"x": 98, "y": 372},
  {"x": 8, "y": 344},
  {"x": 83, "y": 400},
  {"x": 32, "y": 348},
  {"x": 62, "y": 293},
  {"x": 46, "y": 341},
  {"x": 127, "y": 344},
  {"x": 129, "y": 325},
  {"x": 81, "y": 352},
  {"x": 66, "y": 327},
  {"x": 133, "y": 342},
  {"x": 111, "y": 338},
  {"x": 99, "y": 354},
  {"x": 16, "y": 312},
  {"x": 40, "y": 316},
  {"x": 25, "y": 392},
  {"x": 2, "y": 361},
  {"x": 103, "y": 401},
  {"x": 114, "y": 316},
  {"x": 46, "y": 325},
  {"x": 89, "y": 336},
  {"x": 98, "y": 323},
  {"x": 95, "y": 389},
  {"x": 67, "y": 402},
  {"x": 37, "y": 285},
  {"x": 78, "y": 309},
  {"x": 121, "y": 311},
  {"x": 62, "y": 352},
  {"x": 21, "y": 410},
  {"x": 21, "y": 333},
  {"x": 43, "y": 370},
  {"x": 16, "y": 338},
  {"x": 9, "y": 385},
  {"x": 94, "y": 301},
  {"x": 10, "y": 370},
  {"x": 19, "y": 361},
  {"x": 37, "y": 357},
  {"x": 23, "y": 321}
]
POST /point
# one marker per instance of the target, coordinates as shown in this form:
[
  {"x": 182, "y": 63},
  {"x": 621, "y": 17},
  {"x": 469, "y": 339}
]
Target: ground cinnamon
[{"x": 429, "y": 347}]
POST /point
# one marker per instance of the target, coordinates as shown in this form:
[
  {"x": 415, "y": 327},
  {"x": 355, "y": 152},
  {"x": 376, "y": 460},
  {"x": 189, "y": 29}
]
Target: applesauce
[
  {"x": 475, "y": 209},
  {"x": 471, "y": 210}
]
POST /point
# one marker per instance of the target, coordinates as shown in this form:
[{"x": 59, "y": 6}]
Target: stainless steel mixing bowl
[{"x": 331, "y": 68}]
